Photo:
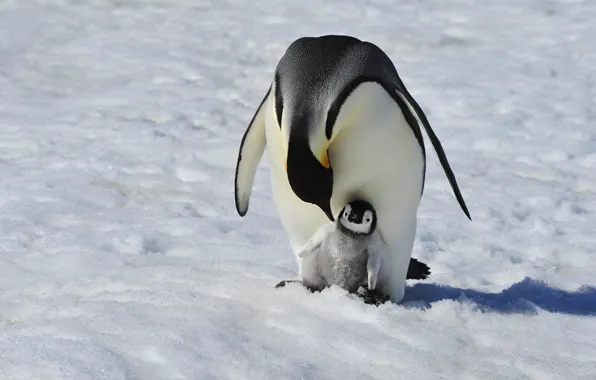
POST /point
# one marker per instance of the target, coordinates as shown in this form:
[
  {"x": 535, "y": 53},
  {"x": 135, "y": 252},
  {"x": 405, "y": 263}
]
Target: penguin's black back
[
  {"x": 316, "y": 75},
  {"x": 310, "y": 64}
]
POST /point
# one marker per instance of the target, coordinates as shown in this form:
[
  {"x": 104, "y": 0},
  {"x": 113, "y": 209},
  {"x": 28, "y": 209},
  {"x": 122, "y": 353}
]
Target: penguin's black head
[
  {"x": 309, "y": 87},
  {"x": 358, "y": 218},
  {"x": 311, "y": 178}
]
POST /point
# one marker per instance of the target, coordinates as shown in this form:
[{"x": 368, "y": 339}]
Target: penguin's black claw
[
  {"x": 372, "y": 297},
  {"x": 417, "y": 270},
  {"x": 283, "y": 283}
]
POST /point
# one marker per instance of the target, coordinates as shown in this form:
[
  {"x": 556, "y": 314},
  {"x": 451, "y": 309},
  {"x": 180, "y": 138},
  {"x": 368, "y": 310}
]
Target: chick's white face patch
[{"x": 362, "y": 227}]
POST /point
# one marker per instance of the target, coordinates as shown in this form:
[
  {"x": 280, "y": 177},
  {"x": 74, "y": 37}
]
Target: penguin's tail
[{"x": 417, "y": 270}]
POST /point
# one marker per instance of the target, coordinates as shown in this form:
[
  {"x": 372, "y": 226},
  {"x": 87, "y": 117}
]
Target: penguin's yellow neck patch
[
  {"x": 323, "y": 153},
  {"x": 324, "y": 159}
]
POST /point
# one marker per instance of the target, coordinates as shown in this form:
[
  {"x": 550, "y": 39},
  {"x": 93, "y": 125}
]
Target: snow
[{"x": 121, "y": 253}]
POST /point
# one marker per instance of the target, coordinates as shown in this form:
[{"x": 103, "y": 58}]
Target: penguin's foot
[
  {"x": 283, "y": 283},
  {"x": 417, "y": 270},
  {"x": 372, "y": 297}
]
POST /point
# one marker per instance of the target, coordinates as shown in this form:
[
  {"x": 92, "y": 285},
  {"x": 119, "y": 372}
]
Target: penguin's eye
[
  {"x": 345, "y": 214},
  {"x": 367, "y": 220}
]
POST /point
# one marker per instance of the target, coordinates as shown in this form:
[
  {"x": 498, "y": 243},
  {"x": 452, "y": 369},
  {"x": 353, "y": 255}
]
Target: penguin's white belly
[
  {"x": 382, "y": 162},
  {"x": 299, "y": 219}
]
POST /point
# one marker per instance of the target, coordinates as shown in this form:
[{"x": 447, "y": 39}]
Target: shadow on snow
[{"x": 523, "y": 297}]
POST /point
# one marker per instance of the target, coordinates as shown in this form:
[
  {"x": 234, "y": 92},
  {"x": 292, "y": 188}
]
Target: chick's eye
[{"x": 367, "y": 220}]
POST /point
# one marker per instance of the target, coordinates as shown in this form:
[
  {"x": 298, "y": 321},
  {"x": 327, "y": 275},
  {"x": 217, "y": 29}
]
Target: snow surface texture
[{"x": 121, "y": 253}]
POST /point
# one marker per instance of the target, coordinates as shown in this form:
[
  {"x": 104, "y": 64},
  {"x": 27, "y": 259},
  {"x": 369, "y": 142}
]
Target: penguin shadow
[{"x": 524, "y": 297}]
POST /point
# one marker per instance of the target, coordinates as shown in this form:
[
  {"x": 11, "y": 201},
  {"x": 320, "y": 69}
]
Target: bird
[
  {"x": 346, "y": 253},
  {"x": 339, "y": 124}
]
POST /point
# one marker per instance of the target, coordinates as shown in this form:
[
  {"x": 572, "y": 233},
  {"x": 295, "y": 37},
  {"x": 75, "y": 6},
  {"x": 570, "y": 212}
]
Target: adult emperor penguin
[{"x": 339, "y": 124}]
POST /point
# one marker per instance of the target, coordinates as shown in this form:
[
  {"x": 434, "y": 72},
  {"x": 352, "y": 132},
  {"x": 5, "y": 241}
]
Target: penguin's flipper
[
  {"x": 376, "y": 250},
  {"x": 417, "y": 270},
  {"x": 251, "y": 150},
  {"x": 313, "y": 244},
  {"x": 373, "y": 265},
  {"x": 422, "y": 120}
]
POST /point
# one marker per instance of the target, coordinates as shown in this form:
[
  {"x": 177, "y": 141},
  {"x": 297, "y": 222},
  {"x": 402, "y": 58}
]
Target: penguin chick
[{"x": 346, "y": 253}]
